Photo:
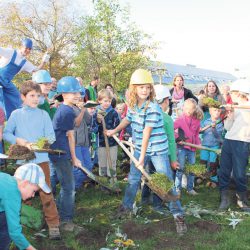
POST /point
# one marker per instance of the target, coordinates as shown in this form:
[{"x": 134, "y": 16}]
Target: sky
[{"x": 211, "y": 34}]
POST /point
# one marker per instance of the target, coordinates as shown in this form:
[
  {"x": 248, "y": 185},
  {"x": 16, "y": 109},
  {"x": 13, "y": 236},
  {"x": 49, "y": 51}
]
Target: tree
[
  {"x": 49, "y": 23},
  {"x": 110, "y": 45}
]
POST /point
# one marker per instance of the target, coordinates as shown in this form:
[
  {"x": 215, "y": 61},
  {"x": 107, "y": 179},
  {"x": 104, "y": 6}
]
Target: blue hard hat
[
  {"x": 41, "y": 76},
  {"x": 27, "y": 42},
  {"x": 83, "y": 92},
  {"x": 68, "y": 84}
]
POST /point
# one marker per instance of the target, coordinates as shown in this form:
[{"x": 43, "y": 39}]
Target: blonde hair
[
  {"x": 198, "y": 113},
  {"x": 133, "y": 95},
  {"x": 104, "y": 93}
]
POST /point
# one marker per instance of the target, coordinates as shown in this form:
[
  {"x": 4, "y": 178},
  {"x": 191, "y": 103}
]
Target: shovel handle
[
  {"x": 199, "y": 147},
  {"x": 133, "y": 159}
]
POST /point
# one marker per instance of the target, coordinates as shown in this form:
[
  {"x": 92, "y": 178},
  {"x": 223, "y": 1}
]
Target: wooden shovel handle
[
  {"x": 133, "y": 159},
  {"x": 199, "y": 147}
]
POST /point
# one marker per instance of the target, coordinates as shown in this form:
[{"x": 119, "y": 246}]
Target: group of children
[{"x": 152, "y": 135}]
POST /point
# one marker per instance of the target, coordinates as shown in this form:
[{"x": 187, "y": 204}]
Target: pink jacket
[{"x": 191, "y": 128}]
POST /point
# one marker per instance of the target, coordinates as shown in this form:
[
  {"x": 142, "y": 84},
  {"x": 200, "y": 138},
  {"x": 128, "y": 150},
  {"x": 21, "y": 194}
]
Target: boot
[
  {"x": 225, "y": 200},
  {"x": 242, "y": 201}
]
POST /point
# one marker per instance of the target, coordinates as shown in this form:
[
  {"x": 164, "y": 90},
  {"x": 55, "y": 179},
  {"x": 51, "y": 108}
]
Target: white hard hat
[
  {"x": 161, "y": 92},
  {"x": 241, "y": 85}
]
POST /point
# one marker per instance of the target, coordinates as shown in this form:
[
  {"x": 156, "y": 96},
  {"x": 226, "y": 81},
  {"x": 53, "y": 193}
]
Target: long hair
[
  {"x": 198, "y": 113},
  {"x": 133, "y": 96}
]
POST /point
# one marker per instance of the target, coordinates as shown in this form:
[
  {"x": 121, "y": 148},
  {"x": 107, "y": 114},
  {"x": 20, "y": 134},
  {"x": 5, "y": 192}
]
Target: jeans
[
  {"x": 53, "y": 178},
  {"x": 183, "y": 155},
  {"x": 161, "y": 164},
  {"x": 4, "y": 234},
  {"x": 83, "y": 154},
  {"x": 234, "y": 157},
  {"x": 66, "y": 199}
]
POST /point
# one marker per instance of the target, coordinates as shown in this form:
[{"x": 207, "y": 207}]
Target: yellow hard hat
[{"x": 141, "y": 76}]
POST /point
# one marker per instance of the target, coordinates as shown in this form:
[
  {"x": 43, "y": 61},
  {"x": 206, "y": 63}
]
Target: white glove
[{"x": 46, "y": 57}]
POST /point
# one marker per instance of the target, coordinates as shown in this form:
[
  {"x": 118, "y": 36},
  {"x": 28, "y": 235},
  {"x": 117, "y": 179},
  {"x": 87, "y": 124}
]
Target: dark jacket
[
  {"x": 112, "y": 121},
  {"x": 187, "y": 94}
]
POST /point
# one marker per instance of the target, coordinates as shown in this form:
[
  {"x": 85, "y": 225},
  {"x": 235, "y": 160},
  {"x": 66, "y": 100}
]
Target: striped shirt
[{"x": 151, "y": 117}]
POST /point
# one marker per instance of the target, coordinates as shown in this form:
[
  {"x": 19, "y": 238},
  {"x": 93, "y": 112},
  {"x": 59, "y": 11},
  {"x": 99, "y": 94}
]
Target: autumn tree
[
  {"x": 49, "y": 23},
  {"x": 110, "y": 45}
]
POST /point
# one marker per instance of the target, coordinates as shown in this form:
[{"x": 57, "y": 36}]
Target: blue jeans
[
  {"x": 4, "y": 234},
  {"x": 161, "y": 164},
  {"x": 83, "y": 154},
  {"x": 53, "y": 178},
  {"x": 234, "y": 157},
  {"x": 66, "y": 199},
  {"x": 183, "y": 155}
]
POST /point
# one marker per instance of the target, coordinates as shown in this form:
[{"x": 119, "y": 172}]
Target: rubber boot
[
  {"x": 225, "y": 200},
  {"x": 242, "y": 201}
]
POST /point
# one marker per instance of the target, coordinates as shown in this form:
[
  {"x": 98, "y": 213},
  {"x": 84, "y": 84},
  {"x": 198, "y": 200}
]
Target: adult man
[{"x": 11, "y": 63}]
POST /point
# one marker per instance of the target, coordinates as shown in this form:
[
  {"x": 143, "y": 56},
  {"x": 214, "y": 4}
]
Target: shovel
[
  {"x": 235, "y": 106},
  {"x": 94, "y": 178},
  {"x": 165, "y": 196},
  {"x": 216, "y": 151},
  {"x": 209, "y": 126}
]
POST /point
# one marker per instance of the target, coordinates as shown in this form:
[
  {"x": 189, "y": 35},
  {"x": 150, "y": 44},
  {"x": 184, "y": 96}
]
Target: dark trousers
[
  {"x": 234, "y": 157},
  {"x": 4, "y": 234}
]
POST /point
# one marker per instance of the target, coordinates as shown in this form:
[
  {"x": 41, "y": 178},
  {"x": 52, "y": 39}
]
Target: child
[
  {"x": 27, "y": 180},
  {"x": 83, "y": 124},
  {"x": 189, "y": 122},
  {"x": 111, "y": 119},
  {"x": 235, "y": 148},
  {"x": 162, "y": 97},
  {"x": 151, "y": 142},
  {"x": 120, "y": 108},
  {"x": 63, "y": 123},
  {"x": 25, "y": 127},
  {"x": 211, "y": 138},
  {"x": 43, "y": 78}
]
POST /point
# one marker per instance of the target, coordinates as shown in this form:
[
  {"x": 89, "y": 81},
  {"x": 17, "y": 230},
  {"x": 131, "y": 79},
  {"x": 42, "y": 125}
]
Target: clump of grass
[
  {"x": 161, "y": 181},
  {"x": 43, "y": 143},
  {"x": 197, "y": 169},
  {"x": 210, "y": 102}
]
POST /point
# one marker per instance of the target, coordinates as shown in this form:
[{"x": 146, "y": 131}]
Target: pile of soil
[{"x": 18, "y": 152}]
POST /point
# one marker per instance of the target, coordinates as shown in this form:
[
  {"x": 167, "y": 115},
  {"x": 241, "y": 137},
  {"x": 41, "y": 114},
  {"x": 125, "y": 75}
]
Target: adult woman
[
  {"x": 179, "y": 94},
  {"x": 110, "y": 88}
]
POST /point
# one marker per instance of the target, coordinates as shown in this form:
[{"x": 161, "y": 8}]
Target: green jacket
[
  {"x": 10, "y": 203},
  {"x": 92, "y": 93},
  {"x": 45, "y": 106},
  {"x": 169, "y": 129}
]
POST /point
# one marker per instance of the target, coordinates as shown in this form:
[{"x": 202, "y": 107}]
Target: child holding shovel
[
  {"x": 211, "y": 130},
  {"x": 189, "y": 122},
  {"x": 150, "y": 140},
  {"x": 25, "y": 127},
  {"x": 109, "y": 118}
]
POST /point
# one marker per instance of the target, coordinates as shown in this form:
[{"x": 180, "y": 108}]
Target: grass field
[{"x": 96, "y": 213}]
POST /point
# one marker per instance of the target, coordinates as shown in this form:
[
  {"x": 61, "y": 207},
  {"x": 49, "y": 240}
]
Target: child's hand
[
  {"x": 99, "y": 118},
  {"x": 110, "y": 132},
  {"x": 175, "y": 165},
  {"x": 213, "y": 124},
  {"x": 76, "y": 162},
  {"x": 23, "y": 142}
]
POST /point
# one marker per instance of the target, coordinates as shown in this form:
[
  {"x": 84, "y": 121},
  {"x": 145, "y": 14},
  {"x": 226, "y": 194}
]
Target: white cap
[
  {"x": 34, "y": 174},
  {"x": 161, "y": 92}
]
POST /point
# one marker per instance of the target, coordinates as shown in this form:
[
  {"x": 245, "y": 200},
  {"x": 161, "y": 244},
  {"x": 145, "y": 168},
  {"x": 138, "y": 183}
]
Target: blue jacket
[
  {"x": 212, "y": 136},
  {"x": 112, "y": 121}
]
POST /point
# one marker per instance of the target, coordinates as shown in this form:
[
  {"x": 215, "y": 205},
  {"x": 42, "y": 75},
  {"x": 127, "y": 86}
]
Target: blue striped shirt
[{"x": 151, "y": 117}]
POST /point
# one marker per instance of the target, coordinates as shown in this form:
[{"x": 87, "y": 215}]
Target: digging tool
[
  {"x": 110, "y": 170},
  {"x": 216, "y": 151},
  {"x": 95, "y": 178},
  {"x": 209, "y": 126},
  {"x": 234, "y": 106},
  {"x": 165, "y": 196}
]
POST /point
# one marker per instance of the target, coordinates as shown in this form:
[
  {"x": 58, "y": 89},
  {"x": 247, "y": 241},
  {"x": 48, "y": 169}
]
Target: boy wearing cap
[
  {"x": 26, "y": 126},
  {"x": 27, "y": 180},
  {"x": 63, "y": 123},
  {"x": 11, "y": 63}
]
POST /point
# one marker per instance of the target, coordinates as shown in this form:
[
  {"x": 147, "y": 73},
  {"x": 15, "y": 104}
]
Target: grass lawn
[{"x": 96, "y": 213}]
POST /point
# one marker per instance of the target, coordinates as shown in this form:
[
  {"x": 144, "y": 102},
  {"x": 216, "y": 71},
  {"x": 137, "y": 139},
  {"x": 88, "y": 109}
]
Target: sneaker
[
  {"x": 184, "y": 181},
  {"x": 181, "y": 227},
  {"x": 161, "y": 210},
  {"x": 192, "y": 192},
  {"x": 70, "y": 227},
  {"x": 54, "y": 233}
]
